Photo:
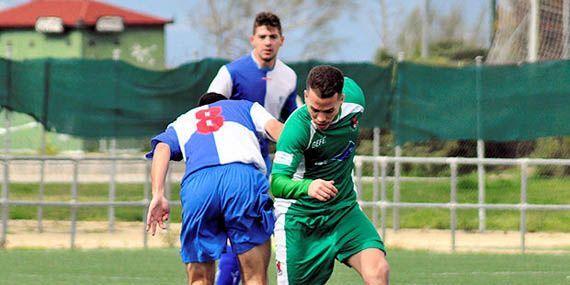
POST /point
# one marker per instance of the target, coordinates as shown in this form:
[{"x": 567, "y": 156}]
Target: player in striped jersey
[
  {"x": 224, "y": 191},
  {"x": 259, "y": 77}
]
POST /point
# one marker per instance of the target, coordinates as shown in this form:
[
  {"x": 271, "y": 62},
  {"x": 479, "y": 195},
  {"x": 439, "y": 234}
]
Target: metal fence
[
  {"x": 381, "y": 202},
  {"x": 382, "y": 165}
]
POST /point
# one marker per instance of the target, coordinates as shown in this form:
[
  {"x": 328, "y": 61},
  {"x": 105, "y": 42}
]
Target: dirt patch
[{"x": 56, "y": 234}]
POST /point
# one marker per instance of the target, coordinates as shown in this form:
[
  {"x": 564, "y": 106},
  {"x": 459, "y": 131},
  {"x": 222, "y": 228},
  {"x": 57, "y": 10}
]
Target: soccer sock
[{"x": 228, "y": 269}]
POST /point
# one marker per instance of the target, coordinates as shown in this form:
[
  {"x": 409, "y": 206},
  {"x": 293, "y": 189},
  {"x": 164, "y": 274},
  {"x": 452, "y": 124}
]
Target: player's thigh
[
  {"x": 202, "y": 236},
  {"x": 302, "y": 256},
  {"x": 356, "y": 233},
  {"x": 254, "y": 262},
  {"x": 247, "y": 208}
]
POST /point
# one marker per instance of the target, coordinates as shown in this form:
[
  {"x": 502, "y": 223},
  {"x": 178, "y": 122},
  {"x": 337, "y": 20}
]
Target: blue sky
[{"x": 360, "y": 35}]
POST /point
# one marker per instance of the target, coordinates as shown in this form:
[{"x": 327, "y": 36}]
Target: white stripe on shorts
[{"x": 281, "y": 207}]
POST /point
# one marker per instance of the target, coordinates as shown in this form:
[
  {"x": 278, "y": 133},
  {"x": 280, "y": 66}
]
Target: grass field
[
  {"x": 500, "y": 189},
  {"x": 162, "y": 266}
]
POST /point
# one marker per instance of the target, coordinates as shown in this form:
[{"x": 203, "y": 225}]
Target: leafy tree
[{"x": 227, "y": 25}]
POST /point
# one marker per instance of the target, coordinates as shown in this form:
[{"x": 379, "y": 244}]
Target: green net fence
[{"x": 105, "y": 98}]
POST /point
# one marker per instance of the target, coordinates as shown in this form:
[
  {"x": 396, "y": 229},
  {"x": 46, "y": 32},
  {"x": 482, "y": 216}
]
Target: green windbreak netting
[
  {"x": 434, "y": 102},
  {"x": 374, "y": 80},
  {"x": 104, "y": 98},
  {"x": 491, "y": 102},
  {"x": 526, "y": 102}
]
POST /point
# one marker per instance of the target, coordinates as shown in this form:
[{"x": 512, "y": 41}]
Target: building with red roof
[{"x": 82, "y": 29}]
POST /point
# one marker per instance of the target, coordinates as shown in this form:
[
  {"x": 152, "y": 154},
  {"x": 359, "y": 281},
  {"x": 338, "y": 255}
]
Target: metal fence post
[
  {"x": 375, "y": 153},
  {"x": 397, "y": 164},
  {"x": 113, "y": 151},
  {"x": 5, "y": 206},
  {"x": 358, "y": 163},
  {"x": 453, "y": 202},
  {"x": 480, "y": 148},
  {"x": 383, "y": 196},
  {"x": 73, "y": 203},
  {"x": 43, "y": 143},
  {"x": 112, "y": 184},
  {"x": 42, "y": 186},
  {"x": 397, "y": 170},
  {"x": 524, "y": 174},
  {"x": 146, "y": 189}
]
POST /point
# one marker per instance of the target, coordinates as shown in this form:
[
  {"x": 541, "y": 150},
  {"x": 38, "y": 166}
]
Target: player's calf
[{"x": 201, "y": 273}]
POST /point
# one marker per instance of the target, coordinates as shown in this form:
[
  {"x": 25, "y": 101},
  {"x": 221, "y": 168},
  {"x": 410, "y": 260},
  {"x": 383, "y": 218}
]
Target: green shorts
[{"x": 306, "y": 247}]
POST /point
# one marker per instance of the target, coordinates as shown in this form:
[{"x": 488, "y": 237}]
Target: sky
[{"x": 357, "y": 28}]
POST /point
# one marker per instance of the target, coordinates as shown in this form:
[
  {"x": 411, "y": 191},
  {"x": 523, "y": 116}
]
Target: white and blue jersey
[
  {"x": 221, "y": 133},
  {"x": 274, "y": 89},
  {"x": 224, "y": 191}
]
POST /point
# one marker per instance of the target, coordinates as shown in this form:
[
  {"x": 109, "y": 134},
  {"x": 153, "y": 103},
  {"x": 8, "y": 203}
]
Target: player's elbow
[
  {"x": 274, "y": 129},
  {"x": 377, "y": 275}
]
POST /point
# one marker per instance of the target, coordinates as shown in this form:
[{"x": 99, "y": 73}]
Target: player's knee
[{"x": 377, "y": 273}]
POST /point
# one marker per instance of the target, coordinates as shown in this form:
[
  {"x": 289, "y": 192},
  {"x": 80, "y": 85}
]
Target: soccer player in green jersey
[{"x": 318, "y": 217}]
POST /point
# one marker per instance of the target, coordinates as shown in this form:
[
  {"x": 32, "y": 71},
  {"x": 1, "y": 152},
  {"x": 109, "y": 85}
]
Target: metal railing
[
  {"x": 383, "y": 204},
  {"x": 379, "y": 201}
]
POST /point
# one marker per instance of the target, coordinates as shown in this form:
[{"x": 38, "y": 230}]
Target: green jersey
[{"x": 305, "y": 153}]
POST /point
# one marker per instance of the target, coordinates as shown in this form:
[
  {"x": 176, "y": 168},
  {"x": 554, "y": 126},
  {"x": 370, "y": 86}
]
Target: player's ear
[
  {"x": 251, "y": 39},
  {"x": 341, "y": 97}
]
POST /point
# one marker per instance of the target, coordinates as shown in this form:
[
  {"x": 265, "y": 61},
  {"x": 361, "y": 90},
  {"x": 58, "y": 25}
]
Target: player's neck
[{"x": 263, "y": 64}]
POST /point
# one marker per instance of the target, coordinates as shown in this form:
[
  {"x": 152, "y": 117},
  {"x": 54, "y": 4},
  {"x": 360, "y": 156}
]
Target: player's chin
[
  {"x": 268, "y": 57},
  {"x": 322, "y": 127}
]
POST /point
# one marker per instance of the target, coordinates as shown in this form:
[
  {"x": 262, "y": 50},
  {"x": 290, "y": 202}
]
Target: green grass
[
  {"x": 163, "y": 266},
  {"x": 503, "y": 188}
]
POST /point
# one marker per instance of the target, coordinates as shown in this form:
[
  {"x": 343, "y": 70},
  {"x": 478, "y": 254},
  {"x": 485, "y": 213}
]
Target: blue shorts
[{"x": 224, "y": 202}]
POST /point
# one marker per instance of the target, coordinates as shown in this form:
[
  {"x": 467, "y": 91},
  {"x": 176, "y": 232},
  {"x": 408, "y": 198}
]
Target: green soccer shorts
[{"x": 306, "y": 247}]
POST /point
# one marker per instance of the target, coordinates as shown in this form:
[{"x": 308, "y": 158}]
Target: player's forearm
[
  {"x": 282, "y": 186},
  {"x": 159, "y": 168}
]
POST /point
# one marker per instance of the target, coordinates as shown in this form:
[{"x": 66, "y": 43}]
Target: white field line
[{"x": 506, "y": 273}]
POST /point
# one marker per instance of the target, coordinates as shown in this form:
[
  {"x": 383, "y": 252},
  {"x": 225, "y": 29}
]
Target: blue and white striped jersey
[
  {"x": 274, "y": 89},
  {"x": 224, "y": 132}
]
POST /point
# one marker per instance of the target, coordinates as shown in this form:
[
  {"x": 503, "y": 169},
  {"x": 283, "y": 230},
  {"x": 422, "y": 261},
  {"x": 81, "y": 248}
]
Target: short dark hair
[
  {"x": 325, "y": 80},
  {"x": 267, "y": 19},
  {"x": 210, "y": 97}
]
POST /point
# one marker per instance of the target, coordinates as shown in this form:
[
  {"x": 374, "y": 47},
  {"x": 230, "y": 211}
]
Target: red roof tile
[{"x": 73, "y": 13}]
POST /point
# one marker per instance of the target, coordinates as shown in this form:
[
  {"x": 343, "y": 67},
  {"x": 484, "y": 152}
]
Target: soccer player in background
[
  {"x": 317, "y": 216},
  {"x": 258, "y": 77},
  {"x": 224, "y": 191}
]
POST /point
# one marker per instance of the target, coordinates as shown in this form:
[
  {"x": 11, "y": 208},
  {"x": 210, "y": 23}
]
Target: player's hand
[
  {"x": 322, "y": 190},
  {"x": 158, "y": 212}
]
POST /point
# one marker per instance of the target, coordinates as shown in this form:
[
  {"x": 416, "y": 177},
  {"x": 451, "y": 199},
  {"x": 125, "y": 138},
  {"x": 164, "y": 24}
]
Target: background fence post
[
  {"x": 383, "y": 196},
  {"x": 5, "y": 206},
  {"x": 74, "y": 187},
  {"x": 397, "y": 164},
  {"x": 524, "y": 174},
  {"x": 453, "y": 201},
  {"x": 376, "y": 154},
  {"x": 480, "y": 147},
  {"x": 113, "y": 153},
  {"x": 146, "y": 189}
]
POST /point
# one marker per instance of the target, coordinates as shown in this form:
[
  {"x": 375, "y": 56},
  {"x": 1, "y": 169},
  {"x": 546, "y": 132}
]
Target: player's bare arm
[
  {"x": 274, "y": 129},
  {"x": 158, "y": 210}
]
